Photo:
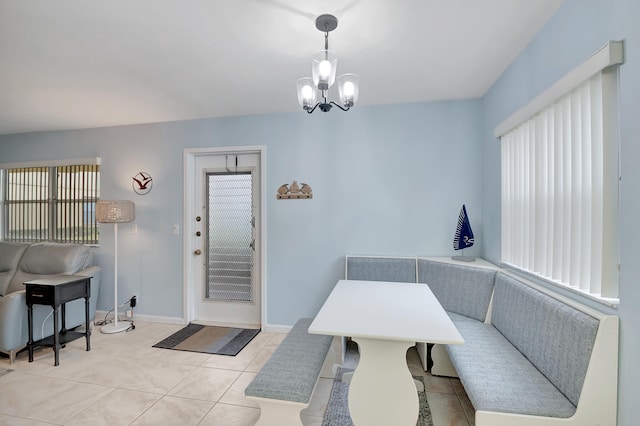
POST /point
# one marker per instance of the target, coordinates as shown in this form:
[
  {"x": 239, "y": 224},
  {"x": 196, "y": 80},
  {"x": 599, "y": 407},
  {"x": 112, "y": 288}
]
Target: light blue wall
[
  {"x": 578, "y": 29},
  {"x": 386, "y": 180}
]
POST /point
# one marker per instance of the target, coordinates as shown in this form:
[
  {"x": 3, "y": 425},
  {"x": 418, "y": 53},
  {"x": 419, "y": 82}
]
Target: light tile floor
[{"x": 123, "y": 380}]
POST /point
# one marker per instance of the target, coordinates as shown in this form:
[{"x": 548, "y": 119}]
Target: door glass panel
[{"x": 229, "y": 236}]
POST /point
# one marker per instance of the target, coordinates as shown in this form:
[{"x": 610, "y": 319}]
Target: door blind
[{"x": 229, "y": 236}]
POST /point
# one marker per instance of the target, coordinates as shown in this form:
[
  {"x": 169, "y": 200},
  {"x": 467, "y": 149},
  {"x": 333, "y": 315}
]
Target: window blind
[
  {"x": 51, "y": 203},
  {"x": 556, "y": 193}
]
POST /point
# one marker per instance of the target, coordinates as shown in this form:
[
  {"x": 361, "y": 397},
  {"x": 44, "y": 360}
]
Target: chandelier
[{"x": 323, "y": 71}]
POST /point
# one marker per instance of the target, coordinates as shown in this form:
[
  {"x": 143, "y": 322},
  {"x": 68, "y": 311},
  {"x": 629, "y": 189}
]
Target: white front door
[{"x": 226, "y": 243}]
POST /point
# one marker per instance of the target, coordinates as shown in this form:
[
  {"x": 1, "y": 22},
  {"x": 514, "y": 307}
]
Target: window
[
  {"x": 560, "y": 181},
  {"x": 51, "y": 203},
  {"x": 230, "y": 242}
]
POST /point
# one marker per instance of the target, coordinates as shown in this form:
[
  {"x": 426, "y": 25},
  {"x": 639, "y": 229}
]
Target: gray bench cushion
[
  {"x": 464, "y": 290},
  {"x": 293, "y": 370},
  {"x": 497, "y": 377},
  {"x": 394, "y": 269},
  {"x": 555, "y": 337}
]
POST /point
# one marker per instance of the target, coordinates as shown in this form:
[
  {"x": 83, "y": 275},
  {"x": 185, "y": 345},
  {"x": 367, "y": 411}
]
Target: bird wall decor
[{"x": 142, "y": 183}]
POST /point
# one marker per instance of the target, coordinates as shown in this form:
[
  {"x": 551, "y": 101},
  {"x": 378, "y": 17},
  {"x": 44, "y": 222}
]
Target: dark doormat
[{"x": 209, "y": 339}]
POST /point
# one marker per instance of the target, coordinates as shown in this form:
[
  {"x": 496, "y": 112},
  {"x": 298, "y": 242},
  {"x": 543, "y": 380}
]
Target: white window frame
[{"x": 600, "y": 71}]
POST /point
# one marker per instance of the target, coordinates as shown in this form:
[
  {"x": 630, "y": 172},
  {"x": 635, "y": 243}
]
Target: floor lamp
[{"x": 115, "y": 211}]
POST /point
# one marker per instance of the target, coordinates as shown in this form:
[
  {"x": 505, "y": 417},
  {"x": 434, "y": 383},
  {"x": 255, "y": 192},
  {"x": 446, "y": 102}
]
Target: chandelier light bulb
[
  {"x": 324, "y": 69},
  {"x": 307, "y": 92},
  {"x": 349, "y": 89}
]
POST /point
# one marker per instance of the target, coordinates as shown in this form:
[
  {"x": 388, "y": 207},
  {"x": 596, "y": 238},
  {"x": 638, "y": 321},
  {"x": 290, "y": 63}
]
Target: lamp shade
[
  {"x": 348, "y": 85},
  {"x": 307, "y": 92},
  {"x": 115, "y": 211},
  {"x": 323, "y": 69}
]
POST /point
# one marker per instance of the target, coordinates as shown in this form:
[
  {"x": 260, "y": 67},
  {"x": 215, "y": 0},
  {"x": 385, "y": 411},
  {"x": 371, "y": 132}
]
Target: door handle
[{"x": 198, "y": 252}]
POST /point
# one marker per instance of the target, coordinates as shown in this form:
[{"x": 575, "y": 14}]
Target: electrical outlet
[{"x": 129, "y": 313}]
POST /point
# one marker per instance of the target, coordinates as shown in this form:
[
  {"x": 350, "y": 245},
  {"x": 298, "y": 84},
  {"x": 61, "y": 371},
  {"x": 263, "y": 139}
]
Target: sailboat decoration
[{"x": 464, "y": 236}]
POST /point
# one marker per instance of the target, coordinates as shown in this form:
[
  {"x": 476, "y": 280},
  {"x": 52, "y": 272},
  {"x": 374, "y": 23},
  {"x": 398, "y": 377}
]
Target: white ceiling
[{"x": 72, "y": 64}]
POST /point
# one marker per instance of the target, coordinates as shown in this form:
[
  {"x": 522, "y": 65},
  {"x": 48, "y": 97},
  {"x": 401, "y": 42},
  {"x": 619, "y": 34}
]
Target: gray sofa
[
  {"x": 20, "y": 262},
  {"x": 530, "y": 357}
]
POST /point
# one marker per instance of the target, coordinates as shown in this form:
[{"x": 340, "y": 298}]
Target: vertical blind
[
  {"x": 555, "y": 216},
  {"x": 51, "y": 203}
]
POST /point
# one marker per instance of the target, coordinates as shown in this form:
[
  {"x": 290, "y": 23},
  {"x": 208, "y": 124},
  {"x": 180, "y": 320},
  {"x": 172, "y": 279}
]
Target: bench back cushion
[
  {"x": 465, "y": 290},
  {"x": 555, "y": 337},
  {"x": 395, "y": 269}
]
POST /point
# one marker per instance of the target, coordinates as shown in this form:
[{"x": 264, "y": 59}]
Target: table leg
[
  {"x": 56, "y": 337},
  {"x": 382, "y": 391},
  {"x": 63, "y": 312},
  {"x": 346, "y": 378},
  {"x": 87, "y": 330},
  {"x": 30, "y": 324}
]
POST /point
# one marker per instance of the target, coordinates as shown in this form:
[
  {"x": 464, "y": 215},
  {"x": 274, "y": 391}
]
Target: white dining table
[{"x": 385, "y": 319}]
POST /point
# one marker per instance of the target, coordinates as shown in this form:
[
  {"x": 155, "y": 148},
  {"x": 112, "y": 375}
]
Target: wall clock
[{"x": 142, "y": 183}]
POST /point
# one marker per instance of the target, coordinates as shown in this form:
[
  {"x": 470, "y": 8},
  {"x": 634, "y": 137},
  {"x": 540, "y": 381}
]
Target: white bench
[
  {"x": 285, "y": 384},
  {"x": 539, "y": 359},
  {"x": 531, "y": 357}
]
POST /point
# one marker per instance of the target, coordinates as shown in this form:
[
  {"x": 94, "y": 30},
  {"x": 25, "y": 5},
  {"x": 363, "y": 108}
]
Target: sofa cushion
[
  {"x": 10, "y": 254},
  {"x": 465, "y": 290},
  {"x": 497, "y": 377},
  {"x": 45, "y": 259},
  {"x": 555, "y": 337},
  {"x": 395, "y": 269}
]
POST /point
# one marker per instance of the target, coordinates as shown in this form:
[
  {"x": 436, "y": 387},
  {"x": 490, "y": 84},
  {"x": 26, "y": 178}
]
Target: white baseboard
[
  {"x": 274, "y": 328},
  {"x": 146, "y": 318},
  {"x": 270, "y": 328}
]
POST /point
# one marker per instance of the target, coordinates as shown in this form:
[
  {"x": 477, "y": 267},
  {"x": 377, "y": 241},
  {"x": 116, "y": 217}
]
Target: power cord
[
  {"x": 44, "y": 322},
  {"x": 132, "y": 303}
]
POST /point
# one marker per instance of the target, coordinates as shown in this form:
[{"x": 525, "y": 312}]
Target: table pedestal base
[{"x": 382, "y": 390}]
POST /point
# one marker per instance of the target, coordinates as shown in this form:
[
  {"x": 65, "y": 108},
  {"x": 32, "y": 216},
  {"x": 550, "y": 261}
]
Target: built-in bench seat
[
  {"x": 519, "y": 388},
  {"x": 285, "y": 384},
  {"x": 460, "y": 288},
  {"x": 531, "y": 356}
]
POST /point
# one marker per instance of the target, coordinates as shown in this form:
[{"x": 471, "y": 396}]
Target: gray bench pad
[
  {"x": 557, "y": 338},
  {"x": 393, "y": 269},
  {"x": 293, "y": 370},
  {"x": 498, "y": 377},
  {"x": 464, "y": 290}
]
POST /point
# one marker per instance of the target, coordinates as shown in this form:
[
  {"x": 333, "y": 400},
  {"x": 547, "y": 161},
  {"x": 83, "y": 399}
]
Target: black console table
[{"x": 55, "y": 292}]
